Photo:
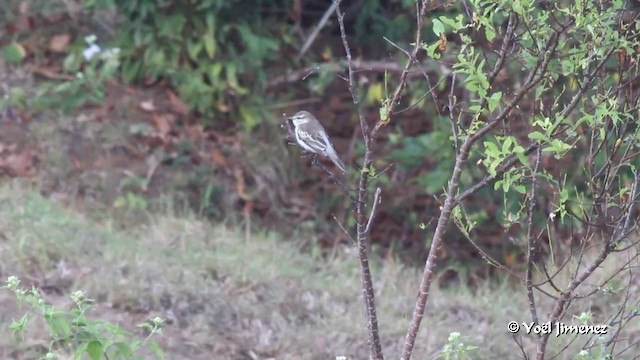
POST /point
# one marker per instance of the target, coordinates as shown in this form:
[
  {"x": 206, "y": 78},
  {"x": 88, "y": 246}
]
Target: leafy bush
[
  {"x": 214, "y": 52},
  {"x": 74, "y": 332}
]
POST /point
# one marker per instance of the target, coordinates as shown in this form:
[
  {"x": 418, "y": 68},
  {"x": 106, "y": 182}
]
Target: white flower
[{"x": 91, "y": 51}]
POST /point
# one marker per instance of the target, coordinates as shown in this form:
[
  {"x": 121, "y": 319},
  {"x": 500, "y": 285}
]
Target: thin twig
[
  {"x": 316, "y": 31},
  {"x": 376, "y": 200},
  {"x": 359, "y": 65},
  {"x": 286, "y": 124},
  {"x": 454, "y": 123},
  {"x": 403, "y": 77},
  {"x": 343, "y": 229},
  {"x": 333, "y": 177}
]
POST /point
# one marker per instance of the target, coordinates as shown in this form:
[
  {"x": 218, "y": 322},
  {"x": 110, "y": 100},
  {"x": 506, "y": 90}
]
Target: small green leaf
[
  {"x": 494, "y": 100},
  {"x": 156, "y": 349},
  {"x": 491, "y": 34},
  {"x": 13, "y": 53},
  {"x": 95, "y": 350},
  {"x": 384, "y": 113},
  {"x": 438, "y": 27},
  {"x": 431, "y": 49},
  {"x": 536, "y": 135},
  {"x": 209, "y": 45},
  {"x": 194, "y": 48}
]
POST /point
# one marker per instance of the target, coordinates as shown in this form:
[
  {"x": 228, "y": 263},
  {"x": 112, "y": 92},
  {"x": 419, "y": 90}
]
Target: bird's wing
[{"x": 315, "y": 142}]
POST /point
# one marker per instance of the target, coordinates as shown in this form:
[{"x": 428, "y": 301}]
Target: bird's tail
[{"x": 331, "y": 153}]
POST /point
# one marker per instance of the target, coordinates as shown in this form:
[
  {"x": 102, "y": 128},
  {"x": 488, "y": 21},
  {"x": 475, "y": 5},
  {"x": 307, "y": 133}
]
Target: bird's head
[{"x": 301, "y": 117}]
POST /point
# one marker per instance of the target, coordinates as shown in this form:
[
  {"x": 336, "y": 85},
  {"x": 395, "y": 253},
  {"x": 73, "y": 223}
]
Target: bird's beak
[{"x": 290, "y": 118}]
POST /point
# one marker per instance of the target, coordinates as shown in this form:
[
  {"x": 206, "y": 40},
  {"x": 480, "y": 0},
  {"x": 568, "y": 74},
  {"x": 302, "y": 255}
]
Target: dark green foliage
[{"x": 213, "y": 52}]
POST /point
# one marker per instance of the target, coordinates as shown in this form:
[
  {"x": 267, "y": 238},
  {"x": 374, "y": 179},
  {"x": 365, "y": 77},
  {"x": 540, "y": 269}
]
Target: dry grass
[{"x": 228, "y": 297}]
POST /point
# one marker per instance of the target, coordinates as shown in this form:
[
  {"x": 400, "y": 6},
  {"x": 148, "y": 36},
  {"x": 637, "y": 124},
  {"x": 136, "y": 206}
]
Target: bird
[{"x": 311, "y": 136}]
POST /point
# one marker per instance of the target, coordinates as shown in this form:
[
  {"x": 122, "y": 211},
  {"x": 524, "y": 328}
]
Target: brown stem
[
  {"x": 368, "y": 294},
  {"x": 531, "y": 242}
]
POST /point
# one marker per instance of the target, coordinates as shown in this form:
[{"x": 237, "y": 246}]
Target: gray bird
[{"x": 312, "y": 137}]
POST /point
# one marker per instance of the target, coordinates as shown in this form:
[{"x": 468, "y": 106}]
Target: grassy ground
[{"x": 231, "y": 297}]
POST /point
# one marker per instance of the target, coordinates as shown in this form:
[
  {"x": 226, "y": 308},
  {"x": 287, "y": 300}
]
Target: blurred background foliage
[{"x": 235, "y": 66}]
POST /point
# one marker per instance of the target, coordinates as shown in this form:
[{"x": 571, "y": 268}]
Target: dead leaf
[
  {"x": 20, "y": 164},
  {"x": 223, "y": 107},
  {"x": 177, "y": 105},
  {"x": 218, "y": 158},
  {"x": 442, "y": 43},
  {"x": 241, "y": 185},
  {"x": 59, "y": 43},
  {"x": 147, "y": 106},
  {"x": 162, "y": 124}
]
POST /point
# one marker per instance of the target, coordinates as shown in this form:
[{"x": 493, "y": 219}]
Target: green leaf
[
  {"x": 232, "y": 78},
  {"x": 491, "y": 147},
  {"x": 456, "y": 24},
  {"x": 95, "y": 350},
  {"x": 194, "y": 48},
  {"x": 536, "y": 135},
  {"x": 72, "y": 62},
  {"x": 156, "y": 349},
  {"x": 438, "y": 27},
  {"x": 249, "y": 118},
  {"x": 59, "y": 326},
  {"x": 13, "y": 53},
  {"x": 506, "y": 145},
  {"x": 431, "y": 50},
  {"x": 18, "y": 326},
  {"x": 494, "y": 100},
  {"x": 131, "y": 70},
  {"x": 209, "y": 45},
  {"x": 490, "y": 32}
]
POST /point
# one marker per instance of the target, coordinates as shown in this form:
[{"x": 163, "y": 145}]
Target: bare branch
[
  {"x": 333, "y": 177},
  {"x": 403, "y": 77},
  {"x": 376, "y": 200},
  {"x": 316, "y": 31},
  {"x": 454, "y": 123},
  {"x": 359, "y": 65},
  {"x": 368, "y": 294},
  {"x": 343, "y": 229},
  {"x": 532, "y": 241}
]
